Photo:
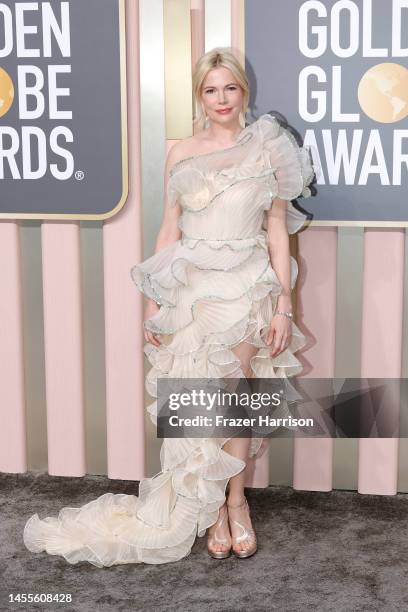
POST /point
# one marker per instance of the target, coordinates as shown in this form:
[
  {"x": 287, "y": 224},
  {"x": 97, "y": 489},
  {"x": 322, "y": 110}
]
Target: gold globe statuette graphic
[
  {"x": 6, "y": 92},
  {"x": 383, "y": 92}
]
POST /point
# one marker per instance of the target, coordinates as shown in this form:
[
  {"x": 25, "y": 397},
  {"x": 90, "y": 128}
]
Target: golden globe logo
[
  {"x": 37, "y": 94},
  {"x": 383, "y": 92},
  {"x": 6, "y": 92}
]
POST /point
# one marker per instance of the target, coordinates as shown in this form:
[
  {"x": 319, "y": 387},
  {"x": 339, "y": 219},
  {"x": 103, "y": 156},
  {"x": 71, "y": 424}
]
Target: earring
[{"x": 206, "y": 123}]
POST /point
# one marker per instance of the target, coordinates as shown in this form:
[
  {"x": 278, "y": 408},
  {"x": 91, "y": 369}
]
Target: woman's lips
[{"x": 224, "y": 111}]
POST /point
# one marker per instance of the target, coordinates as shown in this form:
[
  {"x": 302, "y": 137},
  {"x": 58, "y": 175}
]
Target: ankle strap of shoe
[{"x": 238, "y": 505}]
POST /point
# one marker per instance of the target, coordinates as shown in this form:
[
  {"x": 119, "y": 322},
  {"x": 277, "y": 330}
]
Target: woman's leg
[{"x": 239, "y": 447}]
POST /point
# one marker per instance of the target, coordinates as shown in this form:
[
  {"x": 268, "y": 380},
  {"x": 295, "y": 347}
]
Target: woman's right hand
[{"x": 151, "y": 309}]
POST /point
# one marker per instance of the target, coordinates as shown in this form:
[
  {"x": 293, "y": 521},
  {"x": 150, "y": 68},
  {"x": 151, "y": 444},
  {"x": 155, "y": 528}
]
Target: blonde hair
[{"x": 218, "y": 57}]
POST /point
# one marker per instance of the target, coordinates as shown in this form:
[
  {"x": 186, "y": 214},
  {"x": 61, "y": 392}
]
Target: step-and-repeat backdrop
[
  {"x": 337, "y": 72},
  {"x": 63, "y": 146}
]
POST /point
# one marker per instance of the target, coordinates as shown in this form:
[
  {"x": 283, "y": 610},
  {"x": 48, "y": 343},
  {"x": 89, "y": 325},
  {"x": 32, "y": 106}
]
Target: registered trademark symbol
[{"x": 79, "y": 175}]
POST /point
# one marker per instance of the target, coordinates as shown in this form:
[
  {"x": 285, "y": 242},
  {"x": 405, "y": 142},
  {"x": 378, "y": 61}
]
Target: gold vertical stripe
[
  {"x": 152, "y": 119},
  {"x": 33, "y": 334},
  {"x": 177, "y": 69},
  {"x": 92, "y": 271},
  {"x": 349, "y": 296},
  {"x": 241, "y": 33},
  {"x": 350, "y": 254},
  {"x": 153, "y": 152}
]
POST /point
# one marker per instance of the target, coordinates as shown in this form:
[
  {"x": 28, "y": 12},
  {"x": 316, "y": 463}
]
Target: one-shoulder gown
[{"x": 216, "y": 288}]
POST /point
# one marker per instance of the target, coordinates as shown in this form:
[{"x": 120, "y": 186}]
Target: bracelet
[{"x": 287, "y": 314}]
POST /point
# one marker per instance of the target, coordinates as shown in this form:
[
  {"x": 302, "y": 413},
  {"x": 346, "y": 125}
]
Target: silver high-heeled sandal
[
  {"x": 247, "y": 535},
  {"x": 219, "y": 554}
]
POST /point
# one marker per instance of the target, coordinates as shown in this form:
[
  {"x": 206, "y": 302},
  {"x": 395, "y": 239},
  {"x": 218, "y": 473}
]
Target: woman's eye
[{"x": 232, "y": 87}]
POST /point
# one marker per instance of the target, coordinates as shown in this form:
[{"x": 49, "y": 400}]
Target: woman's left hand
[{"x": 279, "y": 335}]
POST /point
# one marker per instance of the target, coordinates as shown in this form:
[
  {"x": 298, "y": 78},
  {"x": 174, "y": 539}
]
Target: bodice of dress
[{"x": 224, "y": 194}]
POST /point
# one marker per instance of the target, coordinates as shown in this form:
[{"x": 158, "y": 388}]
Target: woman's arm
[
  {"x": 278, "y": 241},
  {"x": 168, "y": 233}
]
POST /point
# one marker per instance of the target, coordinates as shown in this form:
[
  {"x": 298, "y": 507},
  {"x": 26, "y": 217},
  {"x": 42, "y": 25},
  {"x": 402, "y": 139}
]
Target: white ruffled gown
[{"x": 216, "y": 288}]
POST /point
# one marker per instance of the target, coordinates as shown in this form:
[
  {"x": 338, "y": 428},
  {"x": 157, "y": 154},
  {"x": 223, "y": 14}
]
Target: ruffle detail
[
  {"x": 161, "y": 276},
  {"x": 265, "y": 153},
  {"x": 195, "y": 352},
  {"x": 157, "y": 526},
  {"x": 211, "y": 295},
  {"x": 292, "y": 168},
  {"x": 198, "y": 335}
]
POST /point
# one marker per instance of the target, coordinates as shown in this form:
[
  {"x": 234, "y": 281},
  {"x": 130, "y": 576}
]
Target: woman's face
[{"x": 219, "y": 91}]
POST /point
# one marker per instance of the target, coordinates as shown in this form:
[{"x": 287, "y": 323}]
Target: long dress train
[{"x": 216, "y": 288}]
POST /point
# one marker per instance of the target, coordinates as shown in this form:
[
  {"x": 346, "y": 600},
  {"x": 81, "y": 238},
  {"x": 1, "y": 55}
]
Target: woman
[{"x": 217, "y": 308}]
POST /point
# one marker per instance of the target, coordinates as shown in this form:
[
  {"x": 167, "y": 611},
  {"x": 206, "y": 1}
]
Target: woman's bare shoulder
[{"x": 185, "y": 148}]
